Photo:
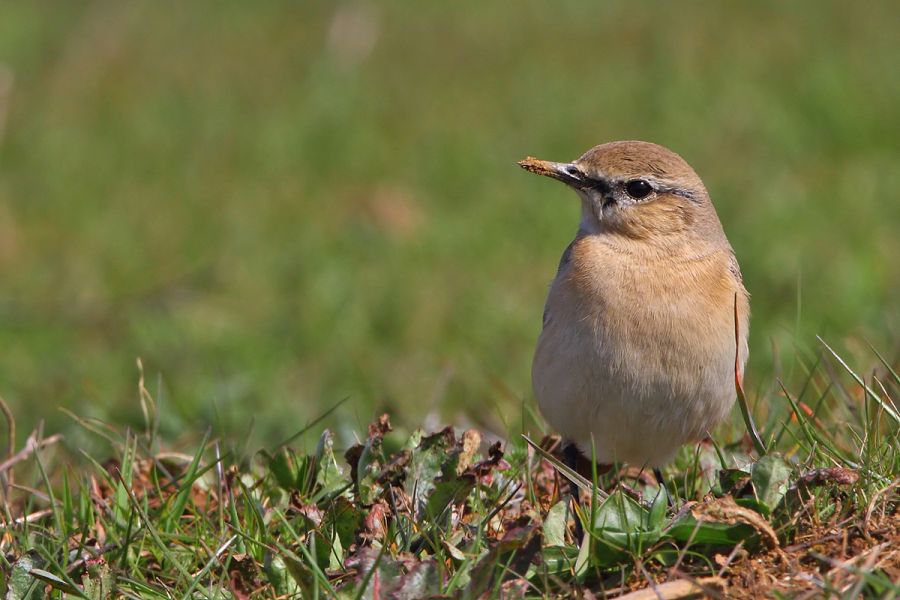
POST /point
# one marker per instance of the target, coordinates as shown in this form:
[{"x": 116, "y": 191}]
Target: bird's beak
[{"x": 568, "y": 173}]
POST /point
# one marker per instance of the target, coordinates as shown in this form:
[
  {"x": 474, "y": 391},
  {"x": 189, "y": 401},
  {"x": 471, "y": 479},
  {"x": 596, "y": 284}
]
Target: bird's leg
[
  {"x": 571, "y": 458},
  {"x": 662, "y": 486}
]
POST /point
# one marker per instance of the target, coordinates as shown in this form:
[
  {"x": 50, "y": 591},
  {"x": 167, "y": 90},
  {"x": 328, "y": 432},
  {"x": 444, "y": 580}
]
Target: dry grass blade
[
  {"x": 566, "y": 471},
  {"x": 873, "y": 503}
]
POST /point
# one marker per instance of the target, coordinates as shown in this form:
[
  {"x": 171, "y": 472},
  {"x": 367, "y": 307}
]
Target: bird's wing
[
  {"x": 563, "y": 263},
  {"x": 735, "y": 268}
]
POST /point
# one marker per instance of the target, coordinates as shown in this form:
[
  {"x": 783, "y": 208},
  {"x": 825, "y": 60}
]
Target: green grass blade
[{"x": 871, "y": 393}]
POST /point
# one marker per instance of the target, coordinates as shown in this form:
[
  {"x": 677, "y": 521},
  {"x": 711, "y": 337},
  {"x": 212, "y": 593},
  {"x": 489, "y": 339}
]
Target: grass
[
  {"x": 281, "y": 206},
  {"x": 451, "y": 514},
  {"x": 299, "y": 210}
]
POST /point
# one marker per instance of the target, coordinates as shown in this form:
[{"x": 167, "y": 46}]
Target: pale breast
[{"x": 638, "y": 350}]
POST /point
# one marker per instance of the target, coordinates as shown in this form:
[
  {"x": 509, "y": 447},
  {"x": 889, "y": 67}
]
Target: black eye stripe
[{"x": 601, "y": 186}]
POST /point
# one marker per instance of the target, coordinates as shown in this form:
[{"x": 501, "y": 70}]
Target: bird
[{"x": 645, "y": 326}]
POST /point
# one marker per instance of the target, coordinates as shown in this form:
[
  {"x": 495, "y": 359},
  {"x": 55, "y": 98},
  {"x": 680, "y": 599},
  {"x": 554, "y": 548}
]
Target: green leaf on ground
[
  {"x": 554, "y": 527},
  {"x": 22, "y": 584},
  {"x": 771, "y": 476}
]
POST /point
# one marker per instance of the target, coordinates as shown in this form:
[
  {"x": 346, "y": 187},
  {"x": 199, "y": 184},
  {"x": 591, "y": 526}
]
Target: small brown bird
[{"x": 638, "y": 352}]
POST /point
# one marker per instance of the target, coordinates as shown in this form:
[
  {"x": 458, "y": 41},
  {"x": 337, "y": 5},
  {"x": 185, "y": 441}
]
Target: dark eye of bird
[{"x": 638, "y": 188}]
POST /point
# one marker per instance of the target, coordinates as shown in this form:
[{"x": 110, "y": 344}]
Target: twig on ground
[
  {"x": 30, "y": 518},
  {"x": 683, "y": 589},
  {"x": 31, "y": 445}
]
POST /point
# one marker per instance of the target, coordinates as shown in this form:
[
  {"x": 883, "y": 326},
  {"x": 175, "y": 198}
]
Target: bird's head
[{"x": 636, "y": 189}]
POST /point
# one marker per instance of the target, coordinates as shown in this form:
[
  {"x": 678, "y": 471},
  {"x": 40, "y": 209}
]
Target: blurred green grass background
[{"x": 279, "y": 205}]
